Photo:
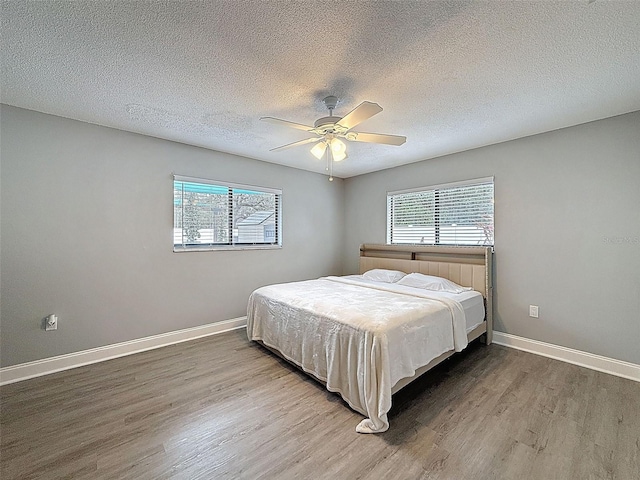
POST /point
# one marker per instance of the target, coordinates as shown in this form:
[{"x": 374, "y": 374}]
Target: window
[
  {"x": 452, "y": 214},
  {"x": 211, "y": 215}
]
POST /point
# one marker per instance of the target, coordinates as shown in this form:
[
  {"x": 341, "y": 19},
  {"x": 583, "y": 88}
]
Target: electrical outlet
[
  {"x": 533, "y": 311},
  {"x": 51, "y": 322}
]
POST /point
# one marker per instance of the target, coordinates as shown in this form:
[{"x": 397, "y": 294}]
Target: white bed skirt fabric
[{"x": 358, "y": 338}]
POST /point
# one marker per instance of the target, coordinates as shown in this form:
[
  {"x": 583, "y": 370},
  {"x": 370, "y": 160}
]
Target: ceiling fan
[{"x": 329, "y": 131}]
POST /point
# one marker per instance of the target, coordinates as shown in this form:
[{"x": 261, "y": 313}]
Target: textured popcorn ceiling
[{"x": 450, "y": 76}]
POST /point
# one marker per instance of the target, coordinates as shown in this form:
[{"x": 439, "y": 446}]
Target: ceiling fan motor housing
[{"x": 328, "y": 125}]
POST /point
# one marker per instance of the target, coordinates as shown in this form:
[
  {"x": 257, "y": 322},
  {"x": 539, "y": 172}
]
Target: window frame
[
  {"x": 230, "y": 246},
  {"x": 437, "y": 223}
]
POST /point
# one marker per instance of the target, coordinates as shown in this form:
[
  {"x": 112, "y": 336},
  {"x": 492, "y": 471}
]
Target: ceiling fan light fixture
[
  {"x": 338, "y": 150},
  {"x": 319, "y": 149},
  {"x": 338, "y": 157}
]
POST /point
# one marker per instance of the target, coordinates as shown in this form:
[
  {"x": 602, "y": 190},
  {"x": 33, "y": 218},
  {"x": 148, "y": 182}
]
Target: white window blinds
[
  {"x": 210, "y": 215},
  {"x": 453, "y": 214}
]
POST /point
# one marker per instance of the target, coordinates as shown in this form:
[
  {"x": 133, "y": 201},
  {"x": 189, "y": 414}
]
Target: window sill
[{"x": 226, "y": 248}]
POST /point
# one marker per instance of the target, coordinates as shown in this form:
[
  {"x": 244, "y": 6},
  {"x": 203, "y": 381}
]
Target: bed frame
[{"x": 466, "y": 266}]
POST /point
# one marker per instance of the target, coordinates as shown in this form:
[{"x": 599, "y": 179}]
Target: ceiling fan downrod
[{"x": 330, "y": 102}]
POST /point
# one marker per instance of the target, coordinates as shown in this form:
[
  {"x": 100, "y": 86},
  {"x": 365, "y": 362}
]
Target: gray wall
[
  {"x": 567, "y": 214},
  {"x": 86, "y": 230},
  {"x": 86, "y": 227}
]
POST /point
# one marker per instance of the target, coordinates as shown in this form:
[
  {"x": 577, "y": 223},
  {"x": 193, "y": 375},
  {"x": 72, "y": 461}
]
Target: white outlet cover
[
  {"x": 51, "y": 322},
  {"x": 533, "y": 311}
]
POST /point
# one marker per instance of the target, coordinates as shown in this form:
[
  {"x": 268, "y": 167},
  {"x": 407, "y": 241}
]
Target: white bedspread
[{"x": 359, "y": 338}]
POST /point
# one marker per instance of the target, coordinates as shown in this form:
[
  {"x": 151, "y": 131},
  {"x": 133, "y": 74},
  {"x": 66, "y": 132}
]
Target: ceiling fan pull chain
[
  {"x": 327, "y": 167},
  {"x": 330, "y": 161}
]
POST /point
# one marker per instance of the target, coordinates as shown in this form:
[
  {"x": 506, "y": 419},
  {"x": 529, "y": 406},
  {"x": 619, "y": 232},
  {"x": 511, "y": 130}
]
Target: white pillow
[
  {"x": 382, "y": 275},
  {"x": 428, "y": 282}
]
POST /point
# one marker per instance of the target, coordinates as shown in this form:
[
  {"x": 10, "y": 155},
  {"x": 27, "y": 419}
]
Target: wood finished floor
[{"x": 221, "y": 407}]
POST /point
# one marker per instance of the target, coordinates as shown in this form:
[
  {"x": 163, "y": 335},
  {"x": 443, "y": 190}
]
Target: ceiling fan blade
[
  {"x": 286, "y": 123},
  {"x": 295, "y": 144},
  {"x": 376, "y": 138},
  {"x": 359, "y": 114}
]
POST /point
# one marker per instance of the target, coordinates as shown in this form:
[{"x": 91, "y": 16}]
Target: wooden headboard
[{"x": 466, "y": 266}]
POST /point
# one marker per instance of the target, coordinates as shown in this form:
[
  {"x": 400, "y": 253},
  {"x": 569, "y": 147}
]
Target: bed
[{"x": 367, "y": 336}]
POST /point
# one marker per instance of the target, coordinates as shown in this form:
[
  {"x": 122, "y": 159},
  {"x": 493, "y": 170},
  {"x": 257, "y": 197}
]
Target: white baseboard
[
  {"x": 24, "y": 371},
  {"x": 569, "y": 355}
]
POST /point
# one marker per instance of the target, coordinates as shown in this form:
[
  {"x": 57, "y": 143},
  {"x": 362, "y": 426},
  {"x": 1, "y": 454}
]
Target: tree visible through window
[
  {"x": 221, "y": 215},
  {"x": 452, "y": 214}
]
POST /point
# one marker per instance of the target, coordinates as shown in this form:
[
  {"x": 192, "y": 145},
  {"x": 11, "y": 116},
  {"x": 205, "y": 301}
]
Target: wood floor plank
[{"x": 222, "y": 407}]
